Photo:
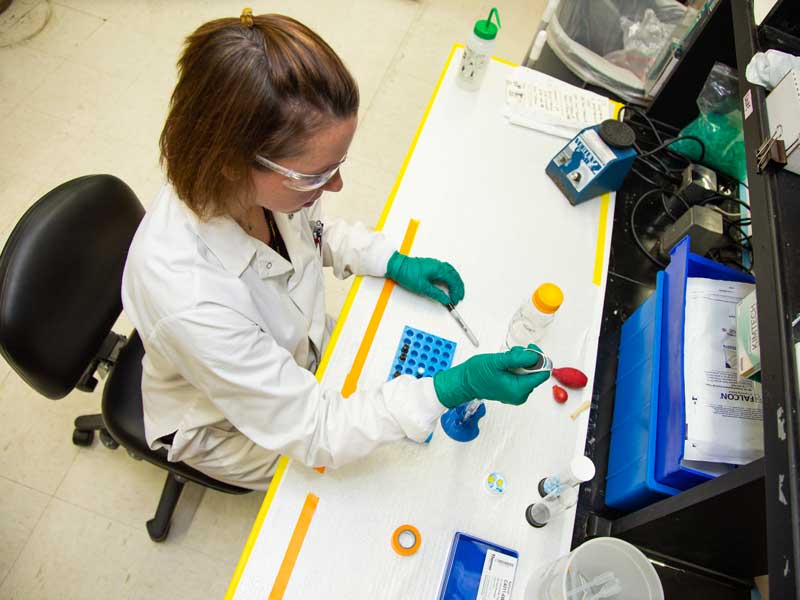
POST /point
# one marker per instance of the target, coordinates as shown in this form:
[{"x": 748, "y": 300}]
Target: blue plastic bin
[
  {"x": 630, "y": 481},
  {"x": 649, "y": 423},
  {"x": 671, "y": 406}
]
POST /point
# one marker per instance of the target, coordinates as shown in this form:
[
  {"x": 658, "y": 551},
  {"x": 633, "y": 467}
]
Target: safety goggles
[{"x": 301, "y": 182}]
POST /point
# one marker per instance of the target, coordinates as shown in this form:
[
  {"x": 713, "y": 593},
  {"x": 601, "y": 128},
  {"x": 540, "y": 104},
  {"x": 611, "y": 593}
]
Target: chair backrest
[{"x": 60, "y": 280}]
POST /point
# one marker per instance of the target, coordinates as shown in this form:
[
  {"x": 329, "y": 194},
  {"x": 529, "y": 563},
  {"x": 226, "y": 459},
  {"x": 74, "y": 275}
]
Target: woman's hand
[
  {"x": 420, "y": 275},
  {"x": 490, "y": 377}
]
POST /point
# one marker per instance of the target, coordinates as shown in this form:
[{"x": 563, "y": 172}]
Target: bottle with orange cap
[{"x": 531, "y": 320}]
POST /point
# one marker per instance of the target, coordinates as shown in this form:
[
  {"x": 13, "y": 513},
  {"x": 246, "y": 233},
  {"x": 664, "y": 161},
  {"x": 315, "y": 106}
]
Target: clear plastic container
[
  {"x": 566, "y": 577},
  {"x": 585, "y": 35},
  {"x": 477, "y": 53},
  {"x": 531, "y": 320}
]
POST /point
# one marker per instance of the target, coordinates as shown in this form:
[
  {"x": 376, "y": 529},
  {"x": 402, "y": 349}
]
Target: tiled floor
[{"x": 86, "y": 95}]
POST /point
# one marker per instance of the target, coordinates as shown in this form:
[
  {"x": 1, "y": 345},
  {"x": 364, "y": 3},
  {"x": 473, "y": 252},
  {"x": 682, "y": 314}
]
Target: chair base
[
  {"x": 86, "y": 425},
  {"x": 158, "y": 526}
]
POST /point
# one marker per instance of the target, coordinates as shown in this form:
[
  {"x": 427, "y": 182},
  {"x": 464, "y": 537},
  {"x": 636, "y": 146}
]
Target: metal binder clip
[
  {"x": 793, "y": 146},
  {"x": 773, "y": 150}
]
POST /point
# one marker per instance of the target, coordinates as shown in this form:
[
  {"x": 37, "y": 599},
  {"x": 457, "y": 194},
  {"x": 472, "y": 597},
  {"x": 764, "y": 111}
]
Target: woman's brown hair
[{"x": 256, "y": 85}]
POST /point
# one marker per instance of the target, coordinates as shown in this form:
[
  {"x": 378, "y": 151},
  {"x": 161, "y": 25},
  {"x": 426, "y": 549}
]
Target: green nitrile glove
[
  {"x": 488, "y": 377},
  {"x": 420, "y": 274}
]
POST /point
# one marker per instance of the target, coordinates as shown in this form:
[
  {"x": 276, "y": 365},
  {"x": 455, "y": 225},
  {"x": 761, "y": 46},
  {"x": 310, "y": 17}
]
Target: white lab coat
[{"x": 232, "y": 332}]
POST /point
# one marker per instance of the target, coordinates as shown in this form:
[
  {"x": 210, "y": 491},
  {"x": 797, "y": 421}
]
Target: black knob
[{"x": 617, "y": 134}]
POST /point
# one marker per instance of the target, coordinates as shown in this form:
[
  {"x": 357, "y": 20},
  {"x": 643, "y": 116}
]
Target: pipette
[{"x": 451, "y": 307}]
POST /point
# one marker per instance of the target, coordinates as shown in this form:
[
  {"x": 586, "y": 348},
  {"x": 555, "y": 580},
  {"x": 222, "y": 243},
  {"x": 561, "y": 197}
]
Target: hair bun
[{"x": 247, "y": 17}]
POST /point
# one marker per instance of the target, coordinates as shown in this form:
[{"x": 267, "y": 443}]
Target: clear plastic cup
[{"x": 636, "y": 576}]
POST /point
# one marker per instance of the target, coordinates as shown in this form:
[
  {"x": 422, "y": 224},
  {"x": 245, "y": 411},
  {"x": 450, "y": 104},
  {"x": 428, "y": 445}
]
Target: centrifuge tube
[
  {"x": 579, "y": 469},
  {"x": 556, "y": 502}
]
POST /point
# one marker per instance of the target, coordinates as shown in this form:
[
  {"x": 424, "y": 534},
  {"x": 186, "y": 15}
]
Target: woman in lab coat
[{"x": 224, "y": 276}]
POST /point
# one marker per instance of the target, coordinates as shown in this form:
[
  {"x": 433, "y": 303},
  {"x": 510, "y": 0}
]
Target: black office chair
[{"x": 60, "y": 278}]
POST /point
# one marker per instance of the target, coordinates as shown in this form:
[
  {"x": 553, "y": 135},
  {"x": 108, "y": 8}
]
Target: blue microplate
[{"x": 421, "y": 354}]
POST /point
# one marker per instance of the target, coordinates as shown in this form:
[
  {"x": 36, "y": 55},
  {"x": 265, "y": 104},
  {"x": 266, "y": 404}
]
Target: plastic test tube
[
  {"x": 579, "y": 469},
  {"x": 552, "y": 505}
]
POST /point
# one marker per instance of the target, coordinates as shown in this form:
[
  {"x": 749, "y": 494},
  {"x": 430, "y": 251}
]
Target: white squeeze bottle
[
  {"x": 530, "y": 321},
  {"x": 478, "y": 52}
]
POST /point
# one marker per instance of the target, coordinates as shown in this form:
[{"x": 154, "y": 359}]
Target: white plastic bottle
[
  {"x": 478, "y": 52},
  {"x": 529, "y": 323}
]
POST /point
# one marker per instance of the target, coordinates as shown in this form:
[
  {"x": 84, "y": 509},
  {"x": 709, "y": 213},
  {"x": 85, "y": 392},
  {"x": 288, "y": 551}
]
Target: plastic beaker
[{"x": 636, "y": 576}]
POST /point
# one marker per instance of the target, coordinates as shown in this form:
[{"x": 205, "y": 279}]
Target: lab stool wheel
[
  {"x": 108, "y": 441},
  {"x": 82, "y": 438}
]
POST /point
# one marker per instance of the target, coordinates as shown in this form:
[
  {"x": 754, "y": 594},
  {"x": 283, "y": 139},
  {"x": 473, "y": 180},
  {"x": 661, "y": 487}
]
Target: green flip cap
[{"x": 486, "y": 30}]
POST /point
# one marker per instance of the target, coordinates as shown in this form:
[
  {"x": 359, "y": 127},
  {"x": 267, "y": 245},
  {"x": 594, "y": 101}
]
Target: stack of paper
[
  {"x": 724, "y": 421},
  {"x": 544, "y": 103}
]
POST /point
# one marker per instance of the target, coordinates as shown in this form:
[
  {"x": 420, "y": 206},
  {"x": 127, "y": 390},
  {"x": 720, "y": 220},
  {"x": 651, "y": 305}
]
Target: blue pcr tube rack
[{"x": 421, "y": 354}]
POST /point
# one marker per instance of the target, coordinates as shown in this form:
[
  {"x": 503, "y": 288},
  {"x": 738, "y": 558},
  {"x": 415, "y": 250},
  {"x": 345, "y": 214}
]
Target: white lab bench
[{"x": 477, "y": 186}]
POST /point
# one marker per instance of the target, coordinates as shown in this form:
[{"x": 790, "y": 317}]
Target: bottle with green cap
[
  {"x": 478, "y": 51},
  {"x": 531, "y": 320}
]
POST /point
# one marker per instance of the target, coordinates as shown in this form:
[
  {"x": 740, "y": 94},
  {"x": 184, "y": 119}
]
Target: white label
[
  {"x": 747, "y": 103},
  {"x": 497, "y": 577},
  {"x": 472, "y": 64},
  {"x": 592, "y": 156},
  {"x": 724, "y": 416},
  {"x": 593, "y": 141}
]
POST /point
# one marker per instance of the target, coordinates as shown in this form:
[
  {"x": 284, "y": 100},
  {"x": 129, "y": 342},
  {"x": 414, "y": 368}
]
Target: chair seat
[{"x": 124, "y": 417}]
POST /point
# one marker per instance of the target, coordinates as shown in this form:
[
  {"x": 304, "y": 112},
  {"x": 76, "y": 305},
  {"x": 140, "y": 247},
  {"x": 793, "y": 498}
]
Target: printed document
[
  {"x": 544, "y": 103},
  {"x": 724, "y": 420}
]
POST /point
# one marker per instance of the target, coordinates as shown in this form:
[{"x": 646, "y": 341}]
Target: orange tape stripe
[
  {"x": 293, "y": 550},
  {"x": 283, "y": 462},
  {"x": 351, "y": 381}
]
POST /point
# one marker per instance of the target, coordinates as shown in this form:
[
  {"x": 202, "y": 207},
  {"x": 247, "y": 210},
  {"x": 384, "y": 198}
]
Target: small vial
[
  {"x": 529, "y": 323},
  {"x": 548, "y": 508},
  {"x": 580, "y": 469}
]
